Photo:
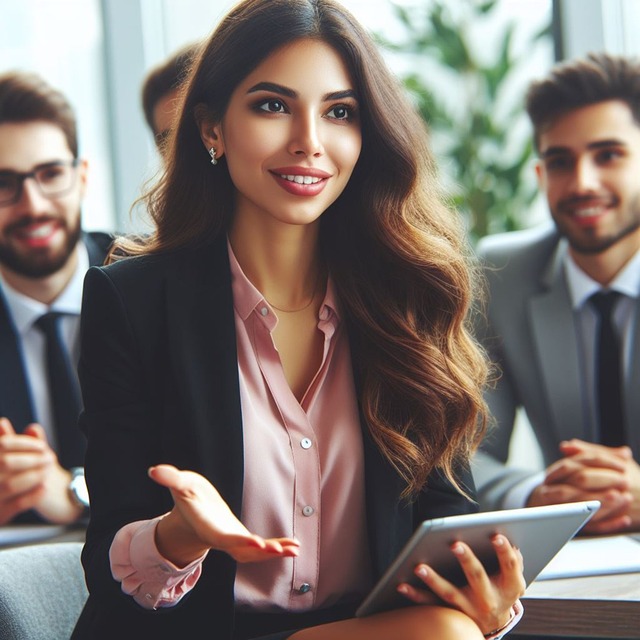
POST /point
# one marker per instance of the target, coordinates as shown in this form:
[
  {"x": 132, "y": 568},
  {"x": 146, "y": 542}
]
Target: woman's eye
[
  {"x": 272, "y": 106},
  {"x": 340, "y": 112}
]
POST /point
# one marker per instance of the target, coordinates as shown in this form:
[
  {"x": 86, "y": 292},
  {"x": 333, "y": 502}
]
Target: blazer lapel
[
  {"x": 201, "y": 330},
  {"x": 632, "y": 385},
  {"x": 15, "y": 393},
  {"x": 555, "y": 341}
]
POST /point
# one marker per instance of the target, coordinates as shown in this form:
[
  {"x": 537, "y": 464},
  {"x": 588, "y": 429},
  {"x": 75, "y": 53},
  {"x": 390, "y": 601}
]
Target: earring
[{"x": 212, "y": 153}]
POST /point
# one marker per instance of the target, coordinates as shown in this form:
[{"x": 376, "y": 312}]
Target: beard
[
  {"x": 40, "y": 264},
  {"x": 588, "y": 243}
]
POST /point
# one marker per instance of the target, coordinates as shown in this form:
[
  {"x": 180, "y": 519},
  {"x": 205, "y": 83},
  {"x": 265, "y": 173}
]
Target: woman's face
[{"x": 291, "y": 134}]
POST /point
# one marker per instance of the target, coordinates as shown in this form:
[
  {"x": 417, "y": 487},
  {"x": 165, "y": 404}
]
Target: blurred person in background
[
  {"x": 44, "y": 255},
  {"x": 564, "y": 303},
  {"x": 161, "y": 92}
]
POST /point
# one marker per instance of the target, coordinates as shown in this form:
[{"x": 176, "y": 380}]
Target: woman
[{"x": 286, "y": 358}]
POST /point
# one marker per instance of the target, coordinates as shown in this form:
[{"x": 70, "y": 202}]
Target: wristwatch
[{"x": 78, "y": 487}]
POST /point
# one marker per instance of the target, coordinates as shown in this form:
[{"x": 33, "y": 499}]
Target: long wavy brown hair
[{"x": 396, "y": 252}]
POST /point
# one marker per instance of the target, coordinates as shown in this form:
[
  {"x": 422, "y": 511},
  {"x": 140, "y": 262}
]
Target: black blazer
[
  {"x": 15, "y": 390},
  {"x": 159, "y": 374}
]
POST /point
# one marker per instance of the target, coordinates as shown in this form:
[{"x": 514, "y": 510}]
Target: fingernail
[
  {"x": 498, "y": 541},
  {"x": 458, "y": 549},
  {"x": 403, "y": 589},
  {"x": 422, "y": 572}
]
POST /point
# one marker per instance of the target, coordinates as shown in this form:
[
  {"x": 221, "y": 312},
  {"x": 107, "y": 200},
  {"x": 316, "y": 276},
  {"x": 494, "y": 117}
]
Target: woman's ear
[{"x": 210, "y": 130}]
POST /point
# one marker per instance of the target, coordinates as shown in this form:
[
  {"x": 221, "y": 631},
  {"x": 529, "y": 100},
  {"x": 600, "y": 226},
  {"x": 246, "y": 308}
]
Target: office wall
[{"x": 63, "y": 41}]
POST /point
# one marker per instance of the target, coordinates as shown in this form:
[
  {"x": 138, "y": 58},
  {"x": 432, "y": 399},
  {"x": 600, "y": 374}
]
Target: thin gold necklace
[{"x": 307, "y": 304}]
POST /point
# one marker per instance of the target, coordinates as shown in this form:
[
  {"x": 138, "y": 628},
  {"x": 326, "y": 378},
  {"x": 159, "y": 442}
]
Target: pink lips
[{"x": 301, "y": 181}]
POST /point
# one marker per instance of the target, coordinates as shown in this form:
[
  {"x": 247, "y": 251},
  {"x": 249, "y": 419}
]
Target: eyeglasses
[{"x": 54, "y": 179}]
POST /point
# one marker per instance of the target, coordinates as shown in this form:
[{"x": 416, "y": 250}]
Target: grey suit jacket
[{"x": 530, "y": 334}]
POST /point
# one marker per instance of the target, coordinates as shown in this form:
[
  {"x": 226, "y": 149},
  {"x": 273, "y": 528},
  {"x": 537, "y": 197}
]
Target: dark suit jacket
[
  {"x": 15, "y": 391},
  {"x": 159, "y": 374}
]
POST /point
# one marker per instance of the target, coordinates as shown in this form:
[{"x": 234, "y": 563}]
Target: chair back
[{"x": 42, "y": 591}]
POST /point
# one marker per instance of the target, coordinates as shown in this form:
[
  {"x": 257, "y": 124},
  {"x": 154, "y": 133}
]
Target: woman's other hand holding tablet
[{"x": 486, "y": 599}]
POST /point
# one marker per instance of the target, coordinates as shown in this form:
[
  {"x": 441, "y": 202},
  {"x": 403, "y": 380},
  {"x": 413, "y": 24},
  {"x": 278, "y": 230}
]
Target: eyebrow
[
  {"x": 598, "y": 144},
  {"x": 43, "y": 165},
  {"x": 290, "y": 93}
]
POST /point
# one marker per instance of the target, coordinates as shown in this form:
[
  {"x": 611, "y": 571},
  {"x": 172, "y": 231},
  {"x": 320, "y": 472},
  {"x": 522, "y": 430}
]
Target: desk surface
[
  {"x": 586, "y": 607},
  {"x": 21, "y": 535}
]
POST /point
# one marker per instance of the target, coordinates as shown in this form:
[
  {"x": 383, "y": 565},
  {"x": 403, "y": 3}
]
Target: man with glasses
[{"x": 43, "y": 258}]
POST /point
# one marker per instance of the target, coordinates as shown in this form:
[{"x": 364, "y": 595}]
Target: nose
[
  {"x": 31, "y": 197},
  {"x": 586, "y": 176},
  {"x": 306, "y": 136}
]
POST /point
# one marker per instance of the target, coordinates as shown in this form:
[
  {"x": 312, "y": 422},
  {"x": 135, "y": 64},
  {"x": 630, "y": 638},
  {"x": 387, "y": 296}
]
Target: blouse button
[
  {"x": 264, "y": 311},
  {"x": 307, "y": 511},
  {"x": 305, "y": 587},
  {"x": 306, "y": 443}
]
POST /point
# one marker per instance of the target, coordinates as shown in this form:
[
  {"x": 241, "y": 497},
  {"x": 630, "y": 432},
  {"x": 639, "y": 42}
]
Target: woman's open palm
[{"x": 203, "y": 510}]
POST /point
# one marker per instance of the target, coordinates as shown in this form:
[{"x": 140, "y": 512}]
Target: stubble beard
[
  {"x": 41, "y": 264},
  {"x": 603, "y": 244}
]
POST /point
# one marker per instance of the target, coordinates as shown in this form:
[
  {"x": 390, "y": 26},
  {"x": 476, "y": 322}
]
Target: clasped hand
[
  {"x": 591, "y": 471},
  {"x": 32, "y": 478}
]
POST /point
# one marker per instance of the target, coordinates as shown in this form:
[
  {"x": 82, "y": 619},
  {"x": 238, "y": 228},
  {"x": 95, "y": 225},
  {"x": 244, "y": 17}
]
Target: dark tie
[
  {"x": 609, "y": 380},
  {"x": 64, "y": 392}
]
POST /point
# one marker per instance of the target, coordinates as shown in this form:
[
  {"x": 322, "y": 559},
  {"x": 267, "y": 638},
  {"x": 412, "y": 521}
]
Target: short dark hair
[
  {"x": 581, "y": 82},
  {"x": 166, "y": 77},
  {"x": 26, "y": 97}
]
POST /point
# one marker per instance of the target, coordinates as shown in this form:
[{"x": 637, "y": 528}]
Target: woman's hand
[
  {"x": 202, "y": 520},
  {"x": 486, "y": 599}
]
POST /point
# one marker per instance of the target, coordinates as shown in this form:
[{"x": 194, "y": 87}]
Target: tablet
[{"x": 539, "y": 532}]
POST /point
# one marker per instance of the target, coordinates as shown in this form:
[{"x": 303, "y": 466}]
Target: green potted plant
[{"x": 487, "y": 166}]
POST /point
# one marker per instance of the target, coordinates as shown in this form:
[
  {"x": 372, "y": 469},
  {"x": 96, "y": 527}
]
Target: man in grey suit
[
  {"x": 575, "y": 372},
  {"x": 43, "y": 258}
]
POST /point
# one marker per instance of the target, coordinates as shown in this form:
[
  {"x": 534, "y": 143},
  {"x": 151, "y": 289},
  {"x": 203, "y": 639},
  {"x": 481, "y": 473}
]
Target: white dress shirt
[{"x": 24, "y": 312}]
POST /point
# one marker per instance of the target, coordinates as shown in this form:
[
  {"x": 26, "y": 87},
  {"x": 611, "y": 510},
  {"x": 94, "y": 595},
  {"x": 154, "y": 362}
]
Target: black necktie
[
  {"x": 64, "y": 392},
  {"x": 609, "y": 380}
]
